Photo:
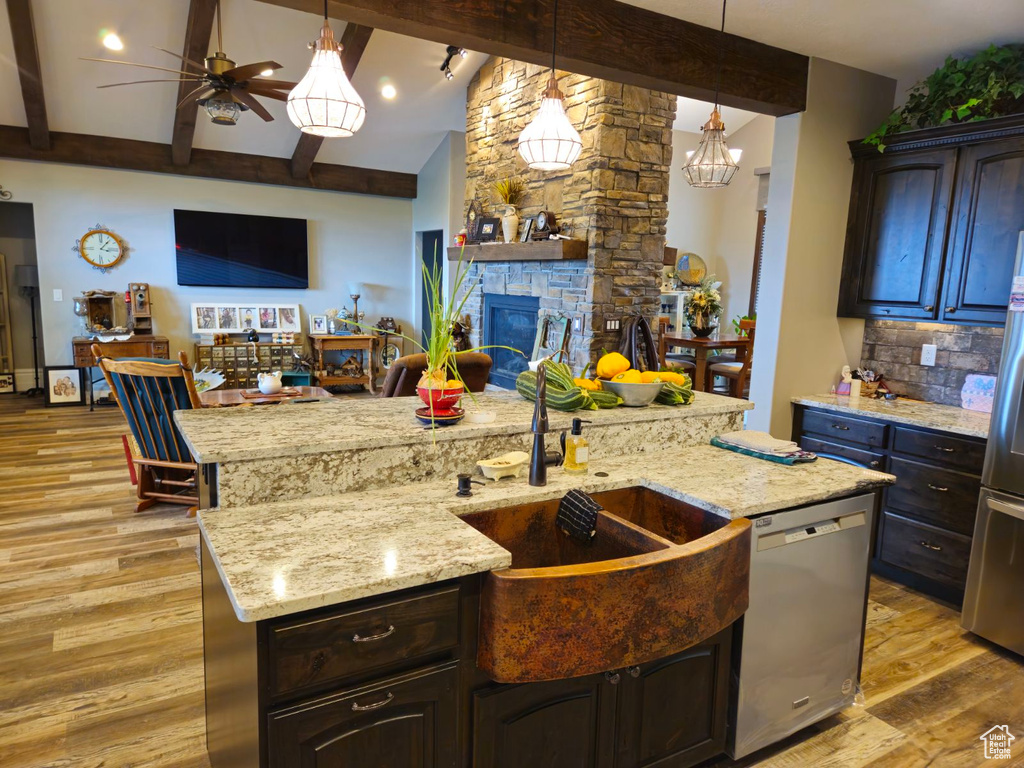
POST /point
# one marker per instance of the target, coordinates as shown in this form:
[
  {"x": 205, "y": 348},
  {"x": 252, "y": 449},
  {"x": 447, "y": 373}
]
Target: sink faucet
[{"x": 540, "y": 458}]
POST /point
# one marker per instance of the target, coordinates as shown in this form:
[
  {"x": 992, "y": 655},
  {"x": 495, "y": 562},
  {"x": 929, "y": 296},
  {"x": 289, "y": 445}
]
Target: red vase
[{"x": 440, "y": 399}]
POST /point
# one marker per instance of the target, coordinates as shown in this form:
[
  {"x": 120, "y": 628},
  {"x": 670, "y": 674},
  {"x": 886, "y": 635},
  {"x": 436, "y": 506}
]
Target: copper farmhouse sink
[{"x": 659, "y": 577}]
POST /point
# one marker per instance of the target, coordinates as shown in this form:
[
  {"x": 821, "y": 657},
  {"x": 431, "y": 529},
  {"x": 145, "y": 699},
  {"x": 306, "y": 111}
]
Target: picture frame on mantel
[{"x": 489, "y": 226}]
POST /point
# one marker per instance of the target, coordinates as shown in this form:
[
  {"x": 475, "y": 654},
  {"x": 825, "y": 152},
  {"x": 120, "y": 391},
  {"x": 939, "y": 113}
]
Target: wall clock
[{"x": 101, "y": 248}]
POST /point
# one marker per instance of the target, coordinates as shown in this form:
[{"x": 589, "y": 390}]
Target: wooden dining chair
[
  {"x": 736, "y": 372},
  {"x": 148, "y": 392},
  {"x": 672, "y": 360}
]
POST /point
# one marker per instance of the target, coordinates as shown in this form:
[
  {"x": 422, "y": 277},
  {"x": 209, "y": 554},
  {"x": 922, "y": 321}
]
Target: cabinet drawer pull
[
  {"x": 318, "y": 663},
  {"x": 928, "y": 307},
  {"x": 932, "y": 547},
  {"x": 633, "y": 671},
  {"x": 370, "y": 638},
  {"x": 875, "y": 463},
  {"x": 376, "y": 705},
  {"x": 612, "y": 677},
  {"x": 950, "y": 310},
  {"x": 841, "y": 426},
  {"x": 939, "y": 488},
  {"x": 944, "y": 449}
]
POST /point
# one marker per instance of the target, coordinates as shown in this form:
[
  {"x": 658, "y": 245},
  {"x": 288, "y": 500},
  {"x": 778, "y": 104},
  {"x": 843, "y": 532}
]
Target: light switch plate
[
  {"x": 577, "y": 325},
  {"x": 928, "y": 354},
  {"x": 58, "y": 294},
  {"x": 611, "y": 325}
]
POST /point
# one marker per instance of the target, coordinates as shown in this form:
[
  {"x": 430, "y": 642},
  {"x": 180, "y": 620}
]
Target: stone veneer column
[{"x": 615, "y": 196}]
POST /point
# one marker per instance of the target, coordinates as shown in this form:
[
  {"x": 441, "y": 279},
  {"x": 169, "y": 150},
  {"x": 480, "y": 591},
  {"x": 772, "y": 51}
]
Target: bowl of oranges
[{"x": 636, "y": 388}]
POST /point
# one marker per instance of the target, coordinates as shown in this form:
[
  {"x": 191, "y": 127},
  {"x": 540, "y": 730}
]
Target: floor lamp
[{"x": 26, "y": 276}]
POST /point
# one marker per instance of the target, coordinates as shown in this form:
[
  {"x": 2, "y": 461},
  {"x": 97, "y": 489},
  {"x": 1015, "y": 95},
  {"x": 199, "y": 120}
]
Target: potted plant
[
  {"x": 988, "y": 84},
  {"x": 510, "y": 192},
  {"x": 703, "y": 307}
]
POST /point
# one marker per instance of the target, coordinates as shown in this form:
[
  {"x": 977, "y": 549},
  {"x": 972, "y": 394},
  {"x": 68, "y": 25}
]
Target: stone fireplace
[{"x": 615, "y": 198}]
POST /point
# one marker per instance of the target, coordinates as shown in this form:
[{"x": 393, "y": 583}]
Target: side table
[{"x": 364, "y": 345}]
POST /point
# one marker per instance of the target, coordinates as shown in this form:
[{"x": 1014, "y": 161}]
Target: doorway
[{"x": 432, "y": 256}]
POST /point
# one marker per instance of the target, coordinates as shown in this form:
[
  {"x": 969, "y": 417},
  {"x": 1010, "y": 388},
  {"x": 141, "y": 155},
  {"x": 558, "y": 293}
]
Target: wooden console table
[
  {"x": 137, "y": 346},
  {"x": 365, "y": 345}
]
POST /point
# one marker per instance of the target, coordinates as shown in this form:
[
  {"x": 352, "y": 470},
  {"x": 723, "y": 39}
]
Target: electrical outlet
[
  {"x": 928, "y": 354},
  {"x": 611, "y": 325},
  {"x": 58, "y": 294},
  {"x": 577, "y": 325}
]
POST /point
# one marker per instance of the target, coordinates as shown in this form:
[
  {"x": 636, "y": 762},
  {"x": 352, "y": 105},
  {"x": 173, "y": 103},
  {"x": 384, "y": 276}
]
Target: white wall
[
  {"x": 352, "y": 238},
  {"x": 720, "y": 225},
  {"x": 801, "y": 345}
]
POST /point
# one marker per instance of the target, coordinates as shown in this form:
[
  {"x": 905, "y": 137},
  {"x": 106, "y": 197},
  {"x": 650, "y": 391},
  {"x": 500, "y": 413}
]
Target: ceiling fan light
[
  {"x": 222, "y": 109},
  {"x": 324, "y": 103},
  {"x": 550, "y": 142},
  {"x": 712, "y": 164}
]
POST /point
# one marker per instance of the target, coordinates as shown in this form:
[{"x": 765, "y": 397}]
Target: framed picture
[
  {"x": 488, "y": 229},
  {"x": 236, "y": 318},
  {"x": 6, "y": 383},
  {"x": 204, "y": 317},
  {"x": 268, "y": 318},
  {"x": 65, "y": 385},
  {"x": 289, "y": 318},
  {"x": 227, "y": 318},
  {"x": 524, "y": 236},
  {"x": 247, "y": 318},
  {"x": 388, "y": 353},
  {"x": 317, "y": 324}
]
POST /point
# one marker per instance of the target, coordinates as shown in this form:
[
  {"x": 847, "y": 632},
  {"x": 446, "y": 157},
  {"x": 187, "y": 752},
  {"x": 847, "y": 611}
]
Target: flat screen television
[{"x": 236, "y": 250}]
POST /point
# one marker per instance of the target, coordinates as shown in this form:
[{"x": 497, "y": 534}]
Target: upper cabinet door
[
  {"x": 987, "y": 222},
  {"x": 896, "y": 235}
]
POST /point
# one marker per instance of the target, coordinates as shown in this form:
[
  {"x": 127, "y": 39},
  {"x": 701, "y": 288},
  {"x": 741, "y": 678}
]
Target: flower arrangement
[
  {"x": 510, "y": 190},
  {"x": 703, "y": 307}
]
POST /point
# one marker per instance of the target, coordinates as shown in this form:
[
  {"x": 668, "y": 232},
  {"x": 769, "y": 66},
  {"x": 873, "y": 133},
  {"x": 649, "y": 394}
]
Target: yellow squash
[{"x": 611, "y": 365}]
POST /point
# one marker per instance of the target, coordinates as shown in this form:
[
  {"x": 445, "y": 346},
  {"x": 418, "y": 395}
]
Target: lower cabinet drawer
[
  {"x": 959, "y": 452},
  {"x": 924, "y": 549},
  {"x": 315, "y": 651},
  {"x": 868, "y": 459},
  {"x": 407, "y": 720},
  {"x": 943, "y": 497},
  {"x": 846, "y": 429}
]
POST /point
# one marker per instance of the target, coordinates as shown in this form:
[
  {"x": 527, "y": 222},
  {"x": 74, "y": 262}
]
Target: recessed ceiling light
[
  {"x": 388, "y": 91},
  {"x": 113, "y": 42},
  {"x": 266, "y": 73}
]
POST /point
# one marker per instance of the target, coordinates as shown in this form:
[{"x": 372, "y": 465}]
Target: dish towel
[{"x": 761, "y": 445}]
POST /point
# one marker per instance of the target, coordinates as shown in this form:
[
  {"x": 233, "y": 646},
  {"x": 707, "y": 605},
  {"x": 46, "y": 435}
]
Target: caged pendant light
[
  {"x": 713, "y": 164},
  {"x": 550, "y": 142},
  {"x": 324, "y": 103}
]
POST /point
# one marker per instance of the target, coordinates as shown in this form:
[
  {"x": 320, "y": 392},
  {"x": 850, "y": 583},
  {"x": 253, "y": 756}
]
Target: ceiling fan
[{"x": 223, "y": 88}]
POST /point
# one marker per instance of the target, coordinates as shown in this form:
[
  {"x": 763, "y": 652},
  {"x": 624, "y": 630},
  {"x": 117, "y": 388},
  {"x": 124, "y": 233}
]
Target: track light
[{"x": 452, "y": 51}]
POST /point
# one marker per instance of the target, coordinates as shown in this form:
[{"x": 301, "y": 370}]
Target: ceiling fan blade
[
  {"x": 247, "y": 71},
  {"x": 281, "y": 85},
  {"x": 195, "y": 92},
  {"x": 250, "y": 101},
  {"x": 201, "y": 67},
  {"x": 134, "y": 64},
  {"x": 274, "y": 95},
  {"x": 136, "y": 82}
]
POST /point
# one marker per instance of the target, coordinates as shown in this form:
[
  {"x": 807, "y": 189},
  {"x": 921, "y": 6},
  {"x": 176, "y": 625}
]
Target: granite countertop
[
  {"x": 337, "y": 424},
  {"x": 946, "y": 418},
  {"x": 285, "y": 557}
]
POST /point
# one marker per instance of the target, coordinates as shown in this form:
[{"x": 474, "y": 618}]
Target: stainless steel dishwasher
[{"x": 803, "y": 633}]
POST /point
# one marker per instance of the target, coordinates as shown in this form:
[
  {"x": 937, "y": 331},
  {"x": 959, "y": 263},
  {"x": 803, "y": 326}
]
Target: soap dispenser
[{"x": 577, "y": 450}]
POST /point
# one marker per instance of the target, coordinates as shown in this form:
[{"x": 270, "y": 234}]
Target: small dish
[
  {"x": 480, "y": 417},
  {"x": 634, "y": 395},
  {"x": 506, "y": 465},
  {"x": 441, "y": 417}
]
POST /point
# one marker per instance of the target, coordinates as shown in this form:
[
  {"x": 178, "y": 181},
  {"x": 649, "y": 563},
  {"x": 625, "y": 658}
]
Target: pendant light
[
  {"x": 713, "y": 164},
  {"x": 324, "y": 103},
  {"x": 550, "y": 142}
]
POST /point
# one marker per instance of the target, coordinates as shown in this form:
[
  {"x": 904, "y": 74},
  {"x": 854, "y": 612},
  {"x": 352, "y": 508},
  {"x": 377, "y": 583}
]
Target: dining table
[
  {"x": 701, "y": 346},
  {"x": 224, "y": 398}
]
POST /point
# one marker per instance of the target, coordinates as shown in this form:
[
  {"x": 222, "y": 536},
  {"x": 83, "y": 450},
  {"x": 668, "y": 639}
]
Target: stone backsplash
[
  {"x": 893, "y": 348},
  {"x": 615, "y": 196}
]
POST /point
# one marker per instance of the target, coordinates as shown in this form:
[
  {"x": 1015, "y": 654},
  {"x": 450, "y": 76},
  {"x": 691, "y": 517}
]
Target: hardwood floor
[{"x": 101, "y": 639}]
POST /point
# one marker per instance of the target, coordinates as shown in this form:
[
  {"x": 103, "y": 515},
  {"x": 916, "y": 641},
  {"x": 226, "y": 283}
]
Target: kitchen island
[{"x": 350, "y": 625}]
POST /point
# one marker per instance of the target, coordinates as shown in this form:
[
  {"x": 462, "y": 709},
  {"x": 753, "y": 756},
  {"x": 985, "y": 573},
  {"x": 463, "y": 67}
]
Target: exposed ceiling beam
[
  {"x": 197, "y": 45},
  {"x": 353, "y": 41},
  {"x": 26, "y": 54},
  {"x": 131, "y": 155},
  {"x": 599, "y": 38}
]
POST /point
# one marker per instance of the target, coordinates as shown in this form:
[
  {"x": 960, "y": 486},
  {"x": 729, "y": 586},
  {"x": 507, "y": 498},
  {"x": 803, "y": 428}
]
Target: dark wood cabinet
[
  {"x": 934, "y": 224},
  {"x": 409, "y": 721},
  {"x": 986, "y": 227},
  {"x": 897, "y": 229},
  {"x": 923, "y": 537}
]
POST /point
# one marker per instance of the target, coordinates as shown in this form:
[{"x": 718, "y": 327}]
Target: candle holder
[{"x": 355, "y": 306}]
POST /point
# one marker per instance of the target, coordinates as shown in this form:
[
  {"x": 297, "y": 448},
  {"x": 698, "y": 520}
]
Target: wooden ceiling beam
[
  {"x": 598, "y": 38},
  {"x": 197, "y": 44},
  {"x": 353, "y": 41},
  {"x": 152, "y": 157},
  {"x": 26, "y": 55}
]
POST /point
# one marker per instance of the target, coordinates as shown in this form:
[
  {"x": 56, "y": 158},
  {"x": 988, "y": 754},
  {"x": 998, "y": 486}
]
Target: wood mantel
[{"x": 537, "y": 250}]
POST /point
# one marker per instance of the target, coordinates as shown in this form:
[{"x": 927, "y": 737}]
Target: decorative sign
[{"x": 241, "y": 318}]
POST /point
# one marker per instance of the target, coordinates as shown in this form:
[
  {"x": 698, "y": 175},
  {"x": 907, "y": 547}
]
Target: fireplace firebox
[{"x": 510, "y": 321}]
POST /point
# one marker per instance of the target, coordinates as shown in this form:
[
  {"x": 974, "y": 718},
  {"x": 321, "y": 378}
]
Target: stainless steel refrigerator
[{"x": 994, "y": 598}]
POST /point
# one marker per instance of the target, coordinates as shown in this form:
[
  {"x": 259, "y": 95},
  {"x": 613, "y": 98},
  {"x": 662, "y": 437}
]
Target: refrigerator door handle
[{"x": 1007, "y": 509}]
